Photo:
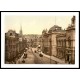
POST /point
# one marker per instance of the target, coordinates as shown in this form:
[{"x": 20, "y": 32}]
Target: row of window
[
  {"x": 12, "y": 46},
  {"x": 61, "y": 43}
]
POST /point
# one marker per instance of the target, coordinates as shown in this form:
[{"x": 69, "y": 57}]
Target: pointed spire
[
  {"x": 46, "y": 30},
  {"x": 20, "y": 29}
]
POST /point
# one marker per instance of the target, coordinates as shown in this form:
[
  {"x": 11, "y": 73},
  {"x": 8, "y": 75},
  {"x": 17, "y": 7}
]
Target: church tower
[
  {"x": 21, "y": 31},
  {"x": 20, "y": 34}
]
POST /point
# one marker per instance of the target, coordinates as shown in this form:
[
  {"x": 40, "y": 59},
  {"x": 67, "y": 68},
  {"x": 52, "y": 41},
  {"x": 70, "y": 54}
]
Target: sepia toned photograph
[{"x": 39, "y": 38}]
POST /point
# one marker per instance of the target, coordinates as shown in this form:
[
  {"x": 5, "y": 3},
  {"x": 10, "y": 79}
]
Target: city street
[
  {"x": 28, "y": 60},
  {"x": 46, "y": 59},
  {"x": 50, "y": 45},
  {"x": 35, "y": 58}
]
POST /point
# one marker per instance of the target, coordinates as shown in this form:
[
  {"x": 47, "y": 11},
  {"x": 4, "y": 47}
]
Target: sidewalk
[{"x": 46, "y": 58}]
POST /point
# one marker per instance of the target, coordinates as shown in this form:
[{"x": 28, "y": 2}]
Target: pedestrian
[
  {"x": 35, "y": 51},
  {"x": 23, "y": 61}
]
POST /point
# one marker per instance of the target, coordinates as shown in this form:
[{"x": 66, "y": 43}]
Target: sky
[{"x": 35, "y": 24}]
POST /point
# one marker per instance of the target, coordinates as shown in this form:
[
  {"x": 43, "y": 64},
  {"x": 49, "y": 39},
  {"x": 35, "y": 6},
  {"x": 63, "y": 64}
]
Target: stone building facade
[
  {"x": 14, "y": 45},
  {"x": 60, "y": 43},
  {"x": 32, "y": 39},
  {"x": 49, "y": 40},
  {"x": 70, "y": 42},
  {"x": 45, "y": 42},
  {"x": 11, "y": 43}
]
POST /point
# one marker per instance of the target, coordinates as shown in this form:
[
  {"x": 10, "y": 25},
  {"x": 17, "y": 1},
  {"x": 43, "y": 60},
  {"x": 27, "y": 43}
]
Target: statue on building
[{"x": 73, "y": 21}]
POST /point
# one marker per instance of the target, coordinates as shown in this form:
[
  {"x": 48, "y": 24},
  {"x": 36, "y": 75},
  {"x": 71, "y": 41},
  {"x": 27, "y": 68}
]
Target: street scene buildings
[{"x": 53, "y": 46}]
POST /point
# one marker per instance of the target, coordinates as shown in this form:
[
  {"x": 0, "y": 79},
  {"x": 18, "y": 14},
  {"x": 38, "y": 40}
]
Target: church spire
[{"x": 21, "y": 30}]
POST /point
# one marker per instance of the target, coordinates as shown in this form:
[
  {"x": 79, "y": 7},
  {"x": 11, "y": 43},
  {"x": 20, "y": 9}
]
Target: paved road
[
  {"x": 28, "y": 60},
  {"x": 41, "y": 60},
  {"x": 46, "y": 59},
  {"x": 34, "y": 58}
]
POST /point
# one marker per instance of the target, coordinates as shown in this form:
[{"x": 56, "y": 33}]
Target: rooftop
[{"x": 55, "y": 28}]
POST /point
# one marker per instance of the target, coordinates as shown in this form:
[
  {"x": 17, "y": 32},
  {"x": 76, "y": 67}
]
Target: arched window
[
  {"x": 10, "y": 34},
  {"x": 69, "y": 41},
  {"x": 59, "y": 42},
  {"x": 64, "y": 42}
]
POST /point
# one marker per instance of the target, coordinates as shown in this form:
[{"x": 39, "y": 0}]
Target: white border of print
[{"x": 76, "y": 65}]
